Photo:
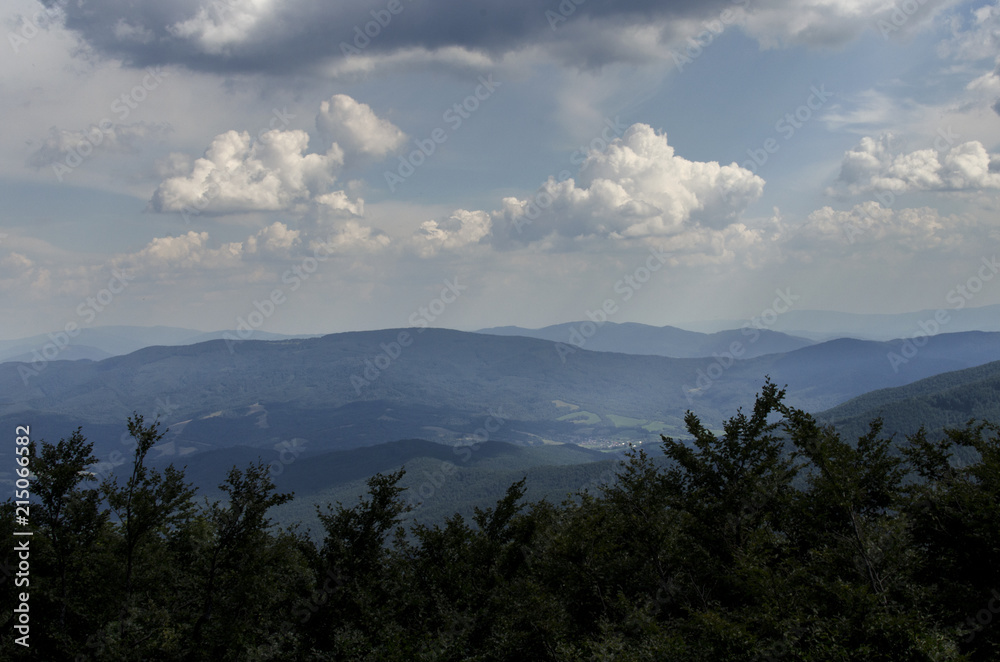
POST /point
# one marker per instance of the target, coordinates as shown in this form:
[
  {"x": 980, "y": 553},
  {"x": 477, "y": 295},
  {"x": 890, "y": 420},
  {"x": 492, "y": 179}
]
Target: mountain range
[
  {"x": 820, "y": 325},
  {"x": 633, "y": 338},
  {"x": 363, "y": 388},
  {"x": 96, "y": 343},
  {"x": 327, "y": 412}
]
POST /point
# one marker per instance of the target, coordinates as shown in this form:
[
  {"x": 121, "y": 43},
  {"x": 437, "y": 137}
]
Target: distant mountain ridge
[
  {"x": 96, "y": 343},
  {"x": 822, "y": 325},
  {"x": 634, "y": 338},
  {"x": 790, "y": 330},
  {"x": 360, "y": 389}
]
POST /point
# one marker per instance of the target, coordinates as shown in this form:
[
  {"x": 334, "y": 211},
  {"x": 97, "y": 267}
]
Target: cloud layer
[
  {"x": 63, "y": 144},
  {"x": 265, "y": 36}
]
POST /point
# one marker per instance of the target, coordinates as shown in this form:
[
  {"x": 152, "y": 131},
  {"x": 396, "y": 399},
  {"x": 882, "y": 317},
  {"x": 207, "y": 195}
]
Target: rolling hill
[
  {"x": 360, "y": 389},
  {"x": 100, "y": 342},
  {"x": 633, "y": 338},
  {"x": 946, "y": 400},
  {"x": 822, "y": 325},
  {"x": 440, "y": 479}
]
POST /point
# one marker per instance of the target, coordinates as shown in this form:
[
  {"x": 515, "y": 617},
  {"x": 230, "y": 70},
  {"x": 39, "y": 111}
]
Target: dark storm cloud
[{"x": 235, "y": 35}]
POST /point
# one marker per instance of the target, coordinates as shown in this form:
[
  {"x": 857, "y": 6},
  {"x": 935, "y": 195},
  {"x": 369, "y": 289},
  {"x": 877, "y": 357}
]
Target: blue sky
[{"x": 222, "y": 155}]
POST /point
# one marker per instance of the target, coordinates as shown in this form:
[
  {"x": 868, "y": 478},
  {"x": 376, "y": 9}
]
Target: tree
[
  {"x": 732, "y": 493},
  {"x": 356, "y": 612},
  {"x": 954, "y": 508},
  {"x": 147, "y": 506},
  {"x": 67, "y": 515},
  {"x": 237, "y": 564}
]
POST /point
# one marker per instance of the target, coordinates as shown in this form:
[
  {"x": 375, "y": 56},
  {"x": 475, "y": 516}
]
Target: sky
[{"x": 317, "y": 167}]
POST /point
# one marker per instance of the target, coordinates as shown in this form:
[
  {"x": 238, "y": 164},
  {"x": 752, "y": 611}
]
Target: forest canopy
[{"x": 775, "y": 539}]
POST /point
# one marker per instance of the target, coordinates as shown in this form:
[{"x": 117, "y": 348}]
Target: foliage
[{"x": 774, "y": 539}]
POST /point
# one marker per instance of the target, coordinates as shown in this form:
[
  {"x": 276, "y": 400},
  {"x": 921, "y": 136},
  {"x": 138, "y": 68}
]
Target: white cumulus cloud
[
  {"x": 240, "y": 174},
  {"x": 871, "y": 224},
  {"x": 463, "y": 228},
  {"x": 277, "y": 239},
  {"x": 186, "y": 251},
  {"x": 277, "y": 171},
  {"x": 636, "y": 187},
  {"x": 875, "y": 166},
  {"x": 356, "y": 128},
  {"x": 352, "y": 238}
]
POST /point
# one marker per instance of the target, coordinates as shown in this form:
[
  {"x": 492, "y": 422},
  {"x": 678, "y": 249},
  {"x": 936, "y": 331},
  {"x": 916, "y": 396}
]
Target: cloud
[
  {"x": 636, "y": 187},
  {"x": 447, "y": 58},
  {"x": 352, "y": 238},
  {"x": 275, "y": 239},
  {"x": 874, "y": 166},
  {"x": 121, "y": 138},
  {"x": 833, "y": 22},
  {"x": 635, "y": 193},
  {"x": 463, "y": 228},
  {"x": 338, "y": 204},
  {"x": 985, "y": 89},
  {"x": 187, "y": 251},
  {"x": 226, "y": 36},
  {"x": 355, "y": 127},
  {"x": 872, "y": 225},
  {"x": 261, "y": 256},
  {"x": 221, "y": 27},
  {"x": 21, "y": 274},
  {"x": 275, "y": 172},
  {"x": 702, "y": 246},
  {"x": 869, "y": 111},
  {"x": 977, "y": 40},
  {"x": 239, "y": 174}
]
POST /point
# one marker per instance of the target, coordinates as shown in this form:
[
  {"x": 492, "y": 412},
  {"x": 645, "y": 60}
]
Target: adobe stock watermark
[
  {"x": 983, "y": 617},
  {"x": 122, "y": 107},
  {"x": 783, "y": 302},
  {"x": 288, "y": 451},
  {"x": 958, "y": 297},
  {"x": 307, "y": 608},
  {"x": 946, "y": 137},
  {"x": 265, "y": 309},
  {"x": 88, "y": 309},
  {"x": 162, "y": 408},
  {"x": 786, "y": 126},
  {"x": 495, "y": 420},
  {"x": 542, "y": 199},
  {"x": 607, "y": 478},
  {"x": 420, "y": 319},
  {"x": 454, "y": 117},
  {"x": 566, "y": 9},
  {"x": 900, "y": 15},
  {"x": 279, "y": 120},
  {"x": 626, "y": 286},
  {"x": 372, "y": 29},
  {"x": 699, "y": 42},
  {"x": 32, "y": 25}
]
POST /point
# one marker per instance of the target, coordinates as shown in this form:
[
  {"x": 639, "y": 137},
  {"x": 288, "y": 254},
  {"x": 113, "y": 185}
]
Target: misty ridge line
[{"x": 48, "y": 347}]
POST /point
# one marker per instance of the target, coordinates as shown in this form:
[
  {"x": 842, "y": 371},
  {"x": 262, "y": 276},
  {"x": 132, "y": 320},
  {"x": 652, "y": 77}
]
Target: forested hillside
[
  {"x": 934, "y": 403},
  {"x": 347, "y": 390},
  {"x": 735, "y": 550}
]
